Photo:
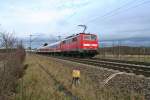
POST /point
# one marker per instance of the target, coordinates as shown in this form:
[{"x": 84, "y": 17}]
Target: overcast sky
[{"x": 110, "y": 19}]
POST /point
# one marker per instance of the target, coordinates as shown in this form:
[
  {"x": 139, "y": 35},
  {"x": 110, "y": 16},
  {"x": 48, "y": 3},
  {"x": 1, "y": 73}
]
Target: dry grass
[
  {"x": 11, "y": 69},
  {"x": 2, "y": 56},
  {"x": 63, "y": 73},
  {"x": 37, "y": 85}
]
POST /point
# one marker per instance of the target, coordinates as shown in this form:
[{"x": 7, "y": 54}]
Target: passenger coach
[{"x": 82, "y": 44}]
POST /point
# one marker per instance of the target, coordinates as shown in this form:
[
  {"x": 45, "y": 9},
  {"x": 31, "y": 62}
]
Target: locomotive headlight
[{"x": 93, "y": 44}]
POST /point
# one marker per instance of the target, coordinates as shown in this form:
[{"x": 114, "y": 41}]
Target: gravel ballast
[{"x": 125, "y": 83}]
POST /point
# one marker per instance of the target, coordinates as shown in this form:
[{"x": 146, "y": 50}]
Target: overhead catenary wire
[
  {"x": 135, "y": 6},
  {"x": 114, "y": 12},
  {"x": 128, "y": 5}
]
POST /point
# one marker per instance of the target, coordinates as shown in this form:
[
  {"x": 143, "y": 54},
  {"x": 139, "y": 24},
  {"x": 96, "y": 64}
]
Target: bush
[{"x": 11, "y": 69}]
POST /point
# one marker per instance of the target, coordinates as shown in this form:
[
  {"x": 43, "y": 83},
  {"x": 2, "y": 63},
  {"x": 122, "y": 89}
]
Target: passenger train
[{"x": 79, "y": 45}]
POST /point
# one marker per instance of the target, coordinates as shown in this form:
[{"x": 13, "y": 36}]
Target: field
[
  {"x": 50, "y": 79},
  {"x": 141, "y": 54}
]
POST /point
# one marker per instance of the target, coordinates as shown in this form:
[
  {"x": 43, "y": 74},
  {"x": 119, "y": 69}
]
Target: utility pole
[
  {"x": 0, "y": 31},
  {"x": 0, "y": 28},
  {"x": 31, "y": 40}
]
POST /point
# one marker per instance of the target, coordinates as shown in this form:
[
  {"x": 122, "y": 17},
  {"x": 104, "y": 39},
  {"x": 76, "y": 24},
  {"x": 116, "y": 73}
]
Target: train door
[
  {"x": 78, "y": 42},
  {"x": 75, "y": 43}
]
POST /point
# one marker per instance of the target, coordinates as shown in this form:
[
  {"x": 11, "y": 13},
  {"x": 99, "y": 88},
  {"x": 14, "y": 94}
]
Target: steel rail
[
  {"x": 137, "y": 69},
  {"x": 124, "y": 61}
]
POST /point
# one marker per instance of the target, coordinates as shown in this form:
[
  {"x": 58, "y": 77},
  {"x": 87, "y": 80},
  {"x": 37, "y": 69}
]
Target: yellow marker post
[
  {"x": 75, "y": 76},
  {"x": 76, "y": 73}
]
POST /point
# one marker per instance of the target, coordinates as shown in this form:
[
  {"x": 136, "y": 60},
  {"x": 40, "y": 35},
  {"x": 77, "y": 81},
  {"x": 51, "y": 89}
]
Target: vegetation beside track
[
  {"x": 140, "y": 54},
  {"x": 12, "y": 55},
  {"x": 11, "y": 69},
  {"x": 36, "y": 83}
]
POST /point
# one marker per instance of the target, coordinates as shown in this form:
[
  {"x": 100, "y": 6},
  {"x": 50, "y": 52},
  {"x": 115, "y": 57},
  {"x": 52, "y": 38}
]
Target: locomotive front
[{"x": 89, "y": 44}]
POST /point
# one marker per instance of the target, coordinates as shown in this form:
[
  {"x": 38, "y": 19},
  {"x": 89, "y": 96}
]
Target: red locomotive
[{"x": 82, "y": 44}]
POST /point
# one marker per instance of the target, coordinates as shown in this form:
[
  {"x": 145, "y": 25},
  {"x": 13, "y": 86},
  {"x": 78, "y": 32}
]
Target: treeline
[
  {"x": 4, "y": 50},
  {"x": 125, "y": 50},
  {"x": 12, "y": 56}
]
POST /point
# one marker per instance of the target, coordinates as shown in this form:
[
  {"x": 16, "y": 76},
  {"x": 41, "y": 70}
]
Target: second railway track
[{"x": 123, "y": 66}]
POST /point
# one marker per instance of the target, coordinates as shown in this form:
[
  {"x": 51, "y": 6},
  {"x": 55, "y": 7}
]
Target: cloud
[{"x": 63, "y": 16}]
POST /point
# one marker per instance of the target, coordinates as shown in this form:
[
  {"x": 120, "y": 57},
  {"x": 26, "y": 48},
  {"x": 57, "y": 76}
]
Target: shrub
[{"x": 11, "y": 70}]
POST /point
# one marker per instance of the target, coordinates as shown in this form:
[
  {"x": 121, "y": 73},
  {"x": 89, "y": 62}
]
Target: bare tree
[
  {"x": 7, "y": 40},
  {"x": 11, "y": 67}
]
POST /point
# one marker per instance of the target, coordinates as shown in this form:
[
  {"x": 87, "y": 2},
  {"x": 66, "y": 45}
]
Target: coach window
[
  {"x": 64, "y": 42},
  {"x": 70, "y": 40},
  {"x": 74, "y": 39}
]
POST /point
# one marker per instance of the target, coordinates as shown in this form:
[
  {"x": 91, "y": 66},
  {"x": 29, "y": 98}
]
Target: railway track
[
  {"x": 137, "y": 68},
  {"x": 124, "y": 61}
]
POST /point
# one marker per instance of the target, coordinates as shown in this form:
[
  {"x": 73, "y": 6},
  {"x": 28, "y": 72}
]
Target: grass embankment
[{"x": 38, "y": 85}]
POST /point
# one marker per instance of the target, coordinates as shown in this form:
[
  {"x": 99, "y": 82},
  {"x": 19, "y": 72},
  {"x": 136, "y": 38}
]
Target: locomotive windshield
[
  {"x": 89, "y": 37},
  {"x": 93, "y": 37}
]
